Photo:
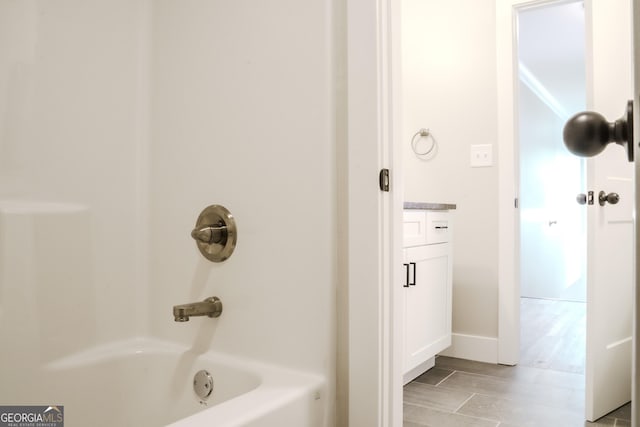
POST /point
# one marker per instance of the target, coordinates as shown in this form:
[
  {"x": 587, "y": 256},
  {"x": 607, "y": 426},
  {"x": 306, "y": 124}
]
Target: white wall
[
  {"x": 68, "y": 134},
  {"x": 449, "y": 77},
  {"x": 242, "y": 115},
  {"x": 552, "y": 224},
  {"x": 551, "y": 47}
]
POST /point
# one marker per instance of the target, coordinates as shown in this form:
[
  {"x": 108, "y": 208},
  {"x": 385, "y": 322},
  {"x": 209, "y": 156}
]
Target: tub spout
[{"x": 211, "y": 307}]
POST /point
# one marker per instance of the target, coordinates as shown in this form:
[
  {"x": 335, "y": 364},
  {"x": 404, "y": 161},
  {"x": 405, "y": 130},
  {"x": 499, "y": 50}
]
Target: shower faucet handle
[
  {"x": 215, "y": 233},
  {"x": 209, "y": 234}
]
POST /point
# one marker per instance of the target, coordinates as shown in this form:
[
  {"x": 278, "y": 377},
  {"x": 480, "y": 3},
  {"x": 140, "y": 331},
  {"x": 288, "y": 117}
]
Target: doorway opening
[{"x": 552, "y": 225}]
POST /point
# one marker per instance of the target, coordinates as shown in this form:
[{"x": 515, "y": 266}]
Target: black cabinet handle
[
  {"x": 406, "y": 281},
  {"x": 414, "y": 274}
]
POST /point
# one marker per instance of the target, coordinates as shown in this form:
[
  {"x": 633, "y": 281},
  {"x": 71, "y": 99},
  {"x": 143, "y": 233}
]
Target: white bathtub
[
  {"x": 48, "y": 327},
  {"x": 146, "y": 382}
]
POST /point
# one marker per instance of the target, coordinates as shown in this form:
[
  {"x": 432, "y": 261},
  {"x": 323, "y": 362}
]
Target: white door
[{"x": 610, "y": 271}]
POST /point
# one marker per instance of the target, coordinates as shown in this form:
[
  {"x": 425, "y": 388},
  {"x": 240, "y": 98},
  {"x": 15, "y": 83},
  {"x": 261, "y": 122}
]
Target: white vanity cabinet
[{"x": 427, "y": 288}]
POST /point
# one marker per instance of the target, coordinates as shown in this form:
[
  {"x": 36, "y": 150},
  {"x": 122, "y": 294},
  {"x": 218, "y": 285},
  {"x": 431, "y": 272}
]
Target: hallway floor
[
  {"x": 546, "y": 390},
  {"x": 553, "y": 334}
]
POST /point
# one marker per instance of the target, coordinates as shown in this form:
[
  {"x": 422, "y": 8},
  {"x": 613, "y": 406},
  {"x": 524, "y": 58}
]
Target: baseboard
[{"x": 473, "y": 347}]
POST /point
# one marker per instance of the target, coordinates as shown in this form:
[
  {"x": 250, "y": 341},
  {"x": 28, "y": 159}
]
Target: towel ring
[{"x": 416, "y": 137}]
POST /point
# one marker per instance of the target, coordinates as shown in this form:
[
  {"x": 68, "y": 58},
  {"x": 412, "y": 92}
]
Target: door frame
[
  {"x": 508, "y": 270},
  {"x": 635, "y": 369},
  {"x": 374, "y": 218},
  {"x": 508, "y": 177}
]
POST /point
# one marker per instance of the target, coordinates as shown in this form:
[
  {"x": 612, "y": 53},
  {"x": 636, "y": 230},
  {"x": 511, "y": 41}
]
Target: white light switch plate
[{"x": 481, "y": 155}]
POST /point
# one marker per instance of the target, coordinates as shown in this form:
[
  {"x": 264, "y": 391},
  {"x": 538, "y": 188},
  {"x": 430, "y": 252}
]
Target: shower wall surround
[
  {"x": 144, "y": 112},
  {"x": 69, "y": 136}
]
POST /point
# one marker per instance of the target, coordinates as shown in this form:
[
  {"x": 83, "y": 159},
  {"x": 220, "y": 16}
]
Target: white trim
[
  {"x": 508, "y": 250},
  {"x": 635, "y": 388},
  {"x": 473, "y": 347},
  {"x": 373, "y": 218},
  {"x": 363, "y": 217},
  {"x": 508, "y": 283},
  {"x": 396, "y": 398}
]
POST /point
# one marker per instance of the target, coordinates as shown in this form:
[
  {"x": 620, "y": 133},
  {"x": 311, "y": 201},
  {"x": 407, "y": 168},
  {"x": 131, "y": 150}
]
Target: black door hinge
[{"x": 384, "y": 179}]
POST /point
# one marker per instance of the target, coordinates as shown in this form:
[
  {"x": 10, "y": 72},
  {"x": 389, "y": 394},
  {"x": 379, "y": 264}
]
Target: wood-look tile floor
[
  {"x": 553, "y": 334},
  {"x": 548, "y": 393}
]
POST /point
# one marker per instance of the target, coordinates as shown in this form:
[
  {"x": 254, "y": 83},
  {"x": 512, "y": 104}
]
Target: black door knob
[{"x": 588, "y": 133}]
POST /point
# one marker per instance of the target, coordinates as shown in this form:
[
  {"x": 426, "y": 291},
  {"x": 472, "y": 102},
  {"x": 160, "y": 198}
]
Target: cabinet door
[{"x": 427, "y": 303}]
